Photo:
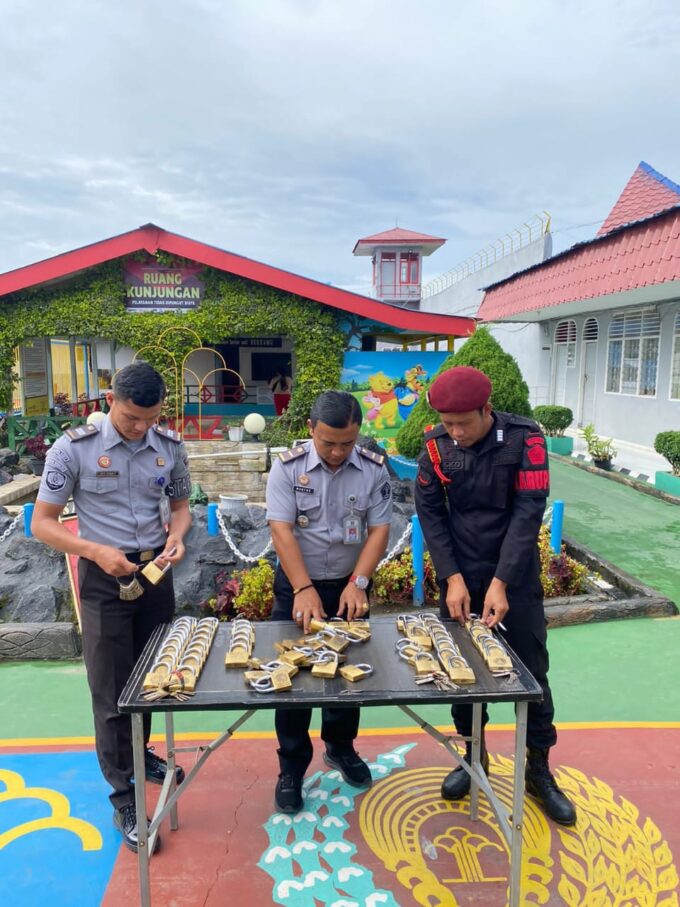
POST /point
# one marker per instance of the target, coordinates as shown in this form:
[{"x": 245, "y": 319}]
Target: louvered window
[
  {"x": 591, "y": 329},
  {"x": 565, "y": 335},
  {"x": 633, "y": 354},
  {"x": 675, "y": 361}
]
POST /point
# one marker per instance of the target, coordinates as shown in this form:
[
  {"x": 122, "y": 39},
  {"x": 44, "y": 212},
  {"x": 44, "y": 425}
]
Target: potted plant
[
  {"x": 667, "y": 443},
  {"x": 36, "y": 448},
  {"x": 601, "y": 450},
  {"x": 235, "y": 431},
  {"x": 554, "y": 420}
]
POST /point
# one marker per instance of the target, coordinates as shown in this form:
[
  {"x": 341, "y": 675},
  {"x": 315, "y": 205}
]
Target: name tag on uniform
[
  {"x": 107, "y": 473},
  {"x": 351, "y": 530},
  {"x": 303, "y": 489}
]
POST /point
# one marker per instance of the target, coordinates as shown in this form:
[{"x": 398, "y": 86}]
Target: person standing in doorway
[
  {"x": 130, "y": 483},
  {"x": 329, "y": 505},
  {"x": 281, "y": 387}
]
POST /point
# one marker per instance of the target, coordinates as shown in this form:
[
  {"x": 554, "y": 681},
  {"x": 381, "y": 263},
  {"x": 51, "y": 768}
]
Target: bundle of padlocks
[
  {"x": 323, "y": 652},
  {"x": 241, "y": 644},
  {"x": 490, "y": 647},
  {"x": 429, "y": 647},
  {"x": 180, "y": 659}
]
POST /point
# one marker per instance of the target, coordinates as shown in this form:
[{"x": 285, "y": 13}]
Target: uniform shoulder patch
[
  {"x": 168, "y": 433},
  {"x": 81, "y": 431},
  {"x": 372, "y": 456},
  {"x": 293, "y": 453},
  {"x": 434, "y": 431}
]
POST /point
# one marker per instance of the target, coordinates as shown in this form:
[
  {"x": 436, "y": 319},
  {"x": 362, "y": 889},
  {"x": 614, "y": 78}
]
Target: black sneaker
[
  {"x": 353, "y": 769},
  {"x": 125, "y": 820},
  {"x": 156, "y": 768},
  {"x": 288, "y": 793}
]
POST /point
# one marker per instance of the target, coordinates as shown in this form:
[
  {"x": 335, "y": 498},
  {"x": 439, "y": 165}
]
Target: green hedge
[
  {"x": 553, "y": 419},
  {"x": 481, "y": 351},
  {"x": 667, "y": 443}
]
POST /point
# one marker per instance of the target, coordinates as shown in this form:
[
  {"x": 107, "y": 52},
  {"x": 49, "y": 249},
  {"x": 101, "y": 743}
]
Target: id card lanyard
[{"x": 351, "y": 524}]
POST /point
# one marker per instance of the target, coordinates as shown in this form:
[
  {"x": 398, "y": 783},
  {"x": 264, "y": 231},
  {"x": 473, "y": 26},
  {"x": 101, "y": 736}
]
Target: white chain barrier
[
  {"x": 547, "y": 516},
  {"x": 12, "y": 526},
  {"x": 398, "y": 547},
  {"x": 239, "y": 554}
]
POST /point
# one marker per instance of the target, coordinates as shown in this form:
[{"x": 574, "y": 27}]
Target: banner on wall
[
  {"x": 388, "y": 385},
  {"x": 149, "y": 288}
]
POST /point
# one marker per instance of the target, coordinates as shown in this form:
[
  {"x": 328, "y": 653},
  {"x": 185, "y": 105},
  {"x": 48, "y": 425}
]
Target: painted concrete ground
[
  {"x": 618, "y": 700},
  {"x": 617, "y": 694}
]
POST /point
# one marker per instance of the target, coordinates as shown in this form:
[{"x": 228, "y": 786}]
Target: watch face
[{"x": 361, "y": 582}]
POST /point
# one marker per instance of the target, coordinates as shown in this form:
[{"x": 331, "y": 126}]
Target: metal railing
[{"x": 516, "y": 239}]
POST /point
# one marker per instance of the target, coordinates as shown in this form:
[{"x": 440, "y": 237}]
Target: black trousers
[
  {"x": 339, "y": 727},
  {"x": 527, "y": 635},
  {"x": 114, "y": 635}
]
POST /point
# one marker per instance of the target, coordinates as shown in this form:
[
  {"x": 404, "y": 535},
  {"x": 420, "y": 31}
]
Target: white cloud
[{"x": 286, "y": 129}]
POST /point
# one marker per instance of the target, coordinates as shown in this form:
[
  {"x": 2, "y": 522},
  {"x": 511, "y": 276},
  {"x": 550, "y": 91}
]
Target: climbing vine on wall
[{"x": 91, "y": 305}]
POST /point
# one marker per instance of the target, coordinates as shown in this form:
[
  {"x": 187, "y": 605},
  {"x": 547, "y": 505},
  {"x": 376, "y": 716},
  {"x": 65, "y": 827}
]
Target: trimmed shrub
[
  {"x": 482, "y": 351},
  {"x": 667, "y": 443},
  {"x": 553, "y": 419}
]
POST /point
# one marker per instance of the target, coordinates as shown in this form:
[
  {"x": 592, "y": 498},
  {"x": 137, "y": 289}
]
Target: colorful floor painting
[{"x": 396, "y": 844}]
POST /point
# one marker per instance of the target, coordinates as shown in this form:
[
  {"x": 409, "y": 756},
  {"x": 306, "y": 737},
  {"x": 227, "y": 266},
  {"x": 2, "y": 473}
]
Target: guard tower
[{"x": 397, "y": 257}]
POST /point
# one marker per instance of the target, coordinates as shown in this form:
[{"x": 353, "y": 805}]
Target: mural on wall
[{"x": 388, "y": 385}]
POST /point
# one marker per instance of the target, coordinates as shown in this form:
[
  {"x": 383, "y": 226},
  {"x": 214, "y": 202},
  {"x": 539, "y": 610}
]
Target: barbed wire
[
  {"x": 239, "y": 554},
  {"x": 12, "y": 526},
  {"x": 398, "y": 547}
]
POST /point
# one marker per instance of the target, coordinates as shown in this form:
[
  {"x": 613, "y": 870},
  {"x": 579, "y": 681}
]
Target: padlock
[
  {"x": 237, "y": 658},
  {"x": 355, "y": 672},
  {"x": 281, "y": 680}
]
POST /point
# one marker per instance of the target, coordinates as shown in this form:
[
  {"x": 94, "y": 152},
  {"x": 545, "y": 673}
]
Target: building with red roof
[
  {"x": 75, "y": 318},
  {"x": 609, "y": 309}
]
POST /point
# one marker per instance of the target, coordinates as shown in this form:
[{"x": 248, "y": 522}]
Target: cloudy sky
[{"x": 284, "y": 130}]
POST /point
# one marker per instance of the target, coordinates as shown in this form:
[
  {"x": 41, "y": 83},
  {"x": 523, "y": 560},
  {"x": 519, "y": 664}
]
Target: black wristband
[{"x": 302, "y": 589}]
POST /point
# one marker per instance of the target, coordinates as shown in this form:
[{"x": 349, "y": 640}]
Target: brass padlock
[
  {"x": 354, "y": 672},
  {"x": 326, "y": 669},
  {"x": 293, "y": 657},
  {"x": 336, "y": 643},
  {"x": 237, "y": 658},
  {"x": 281, "y": 680},
  {"x": 425, "y": 664}
]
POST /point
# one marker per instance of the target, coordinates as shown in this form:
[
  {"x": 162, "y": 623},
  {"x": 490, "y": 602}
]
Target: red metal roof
[
  {"x": 647, "y": 192},
  {"x": 151, "y": 238},
  {"x": 639, "y": 255},
  {"x": 398, "y": 237}
]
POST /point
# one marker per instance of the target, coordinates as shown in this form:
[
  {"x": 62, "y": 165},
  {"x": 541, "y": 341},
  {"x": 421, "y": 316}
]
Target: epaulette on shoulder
[
  {"x": 371, "y": 455},
  {"x": 168, "y": 433},
  {"x": 434, "y": 431},
  {"x": 523, "y": 422},
  {"x": 81, "y": 431},
  {"x": 293, "y": 453}
]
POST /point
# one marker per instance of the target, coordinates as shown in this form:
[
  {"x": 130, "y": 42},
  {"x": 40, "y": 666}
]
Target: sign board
[
  {"x": 149, "y": 288},
  {"x": 35, "y": 399},
  {"x": 271, "y": 342}
]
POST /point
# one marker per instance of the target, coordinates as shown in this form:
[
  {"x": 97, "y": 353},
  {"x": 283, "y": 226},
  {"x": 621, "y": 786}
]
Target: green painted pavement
[
  {"x": 636, "y": 531},
  {"x": 600, "y": 672}
]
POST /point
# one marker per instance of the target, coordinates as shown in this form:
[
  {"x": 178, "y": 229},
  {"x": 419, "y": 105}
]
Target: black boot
[
  {"x": 541, "y": 785},
  {"x": 457, "y": 783}
]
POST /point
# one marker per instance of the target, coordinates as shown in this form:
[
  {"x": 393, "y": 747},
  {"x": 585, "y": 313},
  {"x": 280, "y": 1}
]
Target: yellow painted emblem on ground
[
  {"x": 610, "y": 857},
  {"x": 59, "y": 817}
]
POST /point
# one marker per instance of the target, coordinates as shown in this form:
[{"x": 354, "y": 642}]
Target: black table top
[{"x": 392, "y": 683}]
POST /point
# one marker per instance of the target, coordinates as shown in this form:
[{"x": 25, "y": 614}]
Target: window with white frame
[
  {"x": 565, "y": 336},
  {"x": 591, "y": 329},
  {"x": 633, "y": 354},
  {"x": 675, "y": 361}
]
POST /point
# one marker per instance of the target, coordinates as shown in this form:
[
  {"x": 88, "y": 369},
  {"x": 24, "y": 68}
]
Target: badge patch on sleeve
[
  {"x": 386, "y": 491},
  {"x": 55, "y": 480},
  {"x": 179, "y": 488},
  {"x": 536, "y": 452}
]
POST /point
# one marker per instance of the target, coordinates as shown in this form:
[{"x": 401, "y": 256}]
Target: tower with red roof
[{"x": 397, "y": 263}]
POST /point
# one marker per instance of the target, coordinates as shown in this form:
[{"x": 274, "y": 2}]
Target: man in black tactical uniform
[{"x": 480, "y": 495}]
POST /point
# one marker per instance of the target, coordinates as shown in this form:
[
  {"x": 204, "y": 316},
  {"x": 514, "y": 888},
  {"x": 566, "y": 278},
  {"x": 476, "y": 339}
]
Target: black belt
[
  {"x": 341, "y": 580},
  {"x": 142, "y": 557}
]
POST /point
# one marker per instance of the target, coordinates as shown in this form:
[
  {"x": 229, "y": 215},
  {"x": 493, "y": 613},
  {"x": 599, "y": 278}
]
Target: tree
[{"x": 482, "y": 351}]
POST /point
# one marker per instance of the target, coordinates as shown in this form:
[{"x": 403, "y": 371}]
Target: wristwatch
[{"x": 361, "y": 582}]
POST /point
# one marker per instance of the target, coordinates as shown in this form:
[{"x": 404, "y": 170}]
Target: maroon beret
[{"x": 459, "y": 390}]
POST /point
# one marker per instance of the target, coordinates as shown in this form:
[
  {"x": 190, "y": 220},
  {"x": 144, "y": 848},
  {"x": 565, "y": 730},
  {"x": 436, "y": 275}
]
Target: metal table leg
[
  {"x": 475, "y": 758},
  {"x": 517, "y": 817},
  {"x": 140, "y": 804},
  {"x": 172, "y": 765}
]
